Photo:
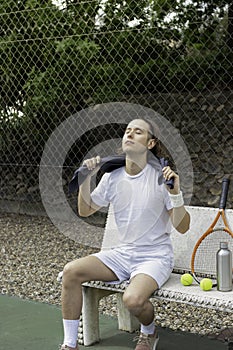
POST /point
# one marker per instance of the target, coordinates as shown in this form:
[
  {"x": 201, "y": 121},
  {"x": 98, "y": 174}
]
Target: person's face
[{"x": 137, "y": 138}]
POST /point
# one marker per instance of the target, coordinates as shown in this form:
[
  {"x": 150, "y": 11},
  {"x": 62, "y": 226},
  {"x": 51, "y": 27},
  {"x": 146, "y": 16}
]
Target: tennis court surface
[{"x": 28, "y": 325}]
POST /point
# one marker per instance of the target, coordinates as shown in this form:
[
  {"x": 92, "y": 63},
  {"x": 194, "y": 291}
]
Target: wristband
[{"x": 177, "y": 199}]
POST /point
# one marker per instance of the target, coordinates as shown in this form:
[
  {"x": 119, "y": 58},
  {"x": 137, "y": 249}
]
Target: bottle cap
[{"x": 223, "y": 245}]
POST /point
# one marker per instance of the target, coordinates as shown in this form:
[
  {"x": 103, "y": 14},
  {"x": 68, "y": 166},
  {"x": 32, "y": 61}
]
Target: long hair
[{"x": 158, "y": 150}]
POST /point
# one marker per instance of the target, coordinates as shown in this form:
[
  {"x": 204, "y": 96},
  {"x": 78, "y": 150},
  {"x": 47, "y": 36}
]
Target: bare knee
[
  {"x": 133, "y": 302},
  {"x": 69, "y": 269},
  {"x": 71, "y": 273}
]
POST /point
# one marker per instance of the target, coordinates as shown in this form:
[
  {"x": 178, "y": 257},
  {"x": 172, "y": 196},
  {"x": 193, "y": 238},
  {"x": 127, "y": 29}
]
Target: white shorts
[{"x": 127, "y": 262}]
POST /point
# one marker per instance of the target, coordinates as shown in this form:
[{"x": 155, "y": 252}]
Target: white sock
[
  {"x": 70, "y": 332},
  {"x": 150, "y": 329}
]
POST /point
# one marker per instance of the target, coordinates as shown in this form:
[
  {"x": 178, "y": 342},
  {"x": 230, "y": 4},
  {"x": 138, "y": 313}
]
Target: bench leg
[
  {"x": 89, "y": 330},
  {"x": 126, "y": 321}
]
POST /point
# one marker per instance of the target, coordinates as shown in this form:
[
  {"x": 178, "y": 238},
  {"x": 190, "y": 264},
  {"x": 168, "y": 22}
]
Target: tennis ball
[
  {"x": 186, "y": 279},
  {"x": 206, "y": 284}
]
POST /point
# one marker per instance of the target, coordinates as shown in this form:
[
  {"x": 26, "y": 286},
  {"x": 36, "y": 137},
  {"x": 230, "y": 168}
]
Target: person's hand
[
  {"x": 168, "y": 173},
  {"x": 92, "y": 164}
]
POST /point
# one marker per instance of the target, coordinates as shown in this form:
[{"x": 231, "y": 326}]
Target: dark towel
[{"x": 110, "y": 163}]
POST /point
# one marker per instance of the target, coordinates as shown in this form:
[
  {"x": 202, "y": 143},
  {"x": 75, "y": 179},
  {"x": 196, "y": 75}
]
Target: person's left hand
[{"x": 168, "y": 173}]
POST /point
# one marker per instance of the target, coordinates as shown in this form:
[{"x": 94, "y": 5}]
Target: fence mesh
[
  {"x": 71, "y": 74},
  {"x": 60, "y": 58}
]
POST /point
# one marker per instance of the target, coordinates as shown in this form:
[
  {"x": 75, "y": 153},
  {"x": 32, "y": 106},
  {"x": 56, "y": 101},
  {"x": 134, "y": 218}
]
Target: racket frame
[{"x": 221, "y": 213}]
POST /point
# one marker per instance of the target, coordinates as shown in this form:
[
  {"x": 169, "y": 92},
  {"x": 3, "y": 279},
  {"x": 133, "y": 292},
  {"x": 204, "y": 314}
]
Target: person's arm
[
  {"x": 179, "y": 216},
  {"x": 86, "y": 206},
  {"x": 180, "y": 219}
]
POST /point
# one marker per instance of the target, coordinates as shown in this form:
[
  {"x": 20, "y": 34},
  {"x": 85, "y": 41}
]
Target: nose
[{"x": 130, "y": 133}]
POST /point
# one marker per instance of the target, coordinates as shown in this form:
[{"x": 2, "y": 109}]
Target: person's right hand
[{"x": 92, "y": 164}]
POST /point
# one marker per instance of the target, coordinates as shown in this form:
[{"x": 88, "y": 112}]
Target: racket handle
[{"x": 223, "y": 199}]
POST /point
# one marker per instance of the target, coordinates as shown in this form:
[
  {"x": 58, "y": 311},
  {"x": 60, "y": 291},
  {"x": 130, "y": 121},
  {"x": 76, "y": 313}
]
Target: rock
[
  {"x": 204, "y": 108},
  {"x": 193, "y": 99},
  {"x": 33, "y": 189},
  {"x": 220, "y": 108},
  {"x": 216, "y": 191},
  {"x": 210, "y": 108},
  {"x": 213, "y": 201},
  {"x": 21, "y": 190}
]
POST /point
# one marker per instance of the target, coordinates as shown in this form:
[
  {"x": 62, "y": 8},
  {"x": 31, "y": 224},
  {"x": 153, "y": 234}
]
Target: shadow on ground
[{"x": 28, "y": 325}]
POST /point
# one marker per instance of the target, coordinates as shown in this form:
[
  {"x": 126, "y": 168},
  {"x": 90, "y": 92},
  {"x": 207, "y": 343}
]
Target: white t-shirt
[{"x": 140, "y": 206}]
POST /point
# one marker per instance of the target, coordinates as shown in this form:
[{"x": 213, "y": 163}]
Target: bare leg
[
  {"x": 136, "y": 298},
  {"x": 75, "y": 273}
]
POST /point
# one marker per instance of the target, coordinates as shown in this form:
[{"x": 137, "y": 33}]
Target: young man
[{"x": 144, "y": 210}]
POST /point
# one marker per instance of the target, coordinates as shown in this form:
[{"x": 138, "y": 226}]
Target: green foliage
[
  {"x": 53, "y": 60},
  {"x": 59, "y": 91}
]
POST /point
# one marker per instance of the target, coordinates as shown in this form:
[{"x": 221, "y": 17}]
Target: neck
[{"x": 133, "y": 167}]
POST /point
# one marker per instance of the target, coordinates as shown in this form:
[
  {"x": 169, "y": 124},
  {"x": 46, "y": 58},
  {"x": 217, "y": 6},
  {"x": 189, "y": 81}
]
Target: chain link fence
[{"x": 61, "y": 58}]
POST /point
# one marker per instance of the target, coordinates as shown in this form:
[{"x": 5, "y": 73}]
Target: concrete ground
[{"x": 28, "y": 325}]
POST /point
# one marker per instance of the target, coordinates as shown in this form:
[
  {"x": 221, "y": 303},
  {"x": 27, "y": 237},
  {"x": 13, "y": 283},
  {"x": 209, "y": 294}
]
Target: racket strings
[{"x": 205, "y": 257}]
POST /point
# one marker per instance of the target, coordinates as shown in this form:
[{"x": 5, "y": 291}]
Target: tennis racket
[{"x": 203, "y": 261}]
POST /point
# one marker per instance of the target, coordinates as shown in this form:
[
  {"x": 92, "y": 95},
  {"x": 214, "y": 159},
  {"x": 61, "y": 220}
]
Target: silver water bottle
[{"x": 224, "y": 268}]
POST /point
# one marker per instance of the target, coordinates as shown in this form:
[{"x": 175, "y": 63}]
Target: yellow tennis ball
[
  {"x": 206, "y": 284},
  {"x": 186, "y": 279}
]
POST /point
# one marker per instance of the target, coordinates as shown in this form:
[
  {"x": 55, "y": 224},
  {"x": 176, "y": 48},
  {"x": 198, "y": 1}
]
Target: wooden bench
[{"x": 172, "y": 290}]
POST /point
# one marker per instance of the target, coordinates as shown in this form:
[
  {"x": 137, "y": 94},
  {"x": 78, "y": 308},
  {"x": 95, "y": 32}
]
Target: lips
[{"x": 128, "y": 142}]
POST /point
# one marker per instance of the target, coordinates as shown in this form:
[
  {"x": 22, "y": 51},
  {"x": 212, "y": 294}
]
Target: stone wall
[{"x": 206, "y": 125}]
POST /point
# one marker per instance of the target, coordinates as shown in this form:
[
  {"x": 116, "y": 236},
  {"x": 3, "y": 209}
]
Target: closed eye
[{"x": 137, "y": 131}]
